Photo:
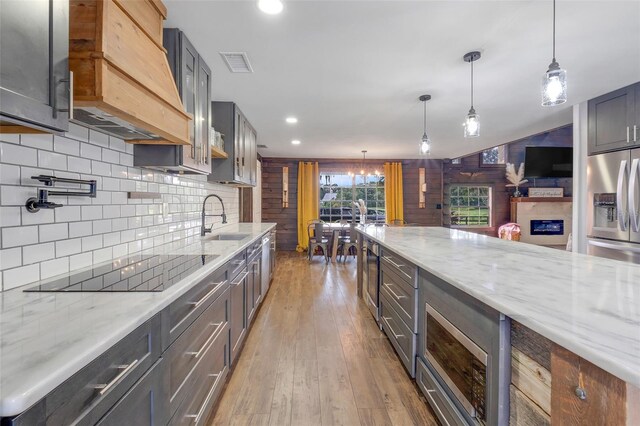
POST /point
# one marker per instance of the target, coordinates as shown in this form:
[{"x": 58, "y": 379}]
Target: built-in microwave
[{"x": 459, "y": 362}]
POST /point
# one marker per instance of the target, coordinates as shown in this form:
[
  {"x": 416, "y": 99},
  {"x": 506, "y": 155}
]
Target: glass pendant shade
[
  {"x": 554, "y": 86},
  {"x": 270, "y": 7},
  {"x": 425, "y": 145},
  {"x": 472, "y": 125}
]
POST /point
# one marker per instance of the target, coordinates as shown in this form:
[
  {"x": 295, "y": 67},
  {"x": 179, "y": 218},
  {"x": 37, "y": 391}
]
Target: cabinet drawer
[
  {"x": 186, "y": 309},
  {"x": 189, "y": 349},
  {"x": 401, "y": 337},
  {"x": 85, "y": 397},
  {"x": 406, "y": 270},
  {"x": 254, "y": 248},
  {"x": 206, "y": 386},
  {"x": 401, "y": 295},
  {"x": 237, "y": 264},
  {"x": 144, "y": 404},
  {"x": 439, "y": 401}
]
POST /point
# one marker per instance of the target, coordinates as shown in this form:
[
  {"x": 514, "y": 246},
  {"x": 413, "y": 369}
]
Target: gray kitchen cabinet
[
  {"x": 144, "y": 404},
  {"x": 237, "y": 297},
  {"x": 85, "y": 397},
  {"x": 254, "y": 286},
  {"x": 193, "y": 79},
  {"x": 34, "y": 64},
  {"x": 240, "y": 139},
  {"x": 614, "y": 120}
]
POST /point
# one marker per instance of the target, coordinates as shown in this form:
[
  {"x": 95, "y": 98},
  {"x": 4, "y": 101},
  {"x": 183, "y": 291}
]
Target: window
[
  {"x": 456, "y": 160},
  {"x": 494, "y": 156},
  {"x": 336, "y": 196},
  {"x": 470, "y": 206}
]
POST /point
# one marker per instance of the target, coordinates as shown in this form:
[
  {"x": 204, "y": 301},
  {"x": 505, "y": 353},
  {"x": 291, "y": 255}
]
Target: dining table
[{"x": 335, "y": 229}]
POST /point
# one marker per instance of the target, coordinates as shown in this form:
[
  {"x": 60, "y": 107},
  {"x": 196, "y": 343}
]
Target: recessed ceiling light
[
  {"x": 291, "y": 120},
  {"x": 295, "y": 142},
  {"x": 270, "y": 7}
]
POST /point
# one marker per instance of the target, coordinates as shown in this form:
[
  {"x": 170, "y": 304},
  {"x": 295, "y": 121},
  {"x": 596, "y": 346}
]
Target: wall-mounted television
[{"x": 548, "y": 162}]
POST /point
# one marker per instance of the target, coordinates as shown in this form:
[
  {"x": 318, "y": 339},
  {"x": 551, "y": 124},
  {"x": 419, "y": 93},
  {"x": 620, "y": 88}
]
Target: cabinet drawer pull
[
  {"x": 628, "y": 138},
  {"x": 238, "y": 262},
  {"x": 397, "y": 336},
  {"x": 104, "y": 388},
  {"x": 244, "y": 275},
  {"x": 206, "y": 344},
  {"x": 195, "y": 305},
  {"x": 388, "y": 286},
  {"x": 388, "y": 259},
  {"x": 198, "y": 416},
  {"x": 635, "y": 133}
]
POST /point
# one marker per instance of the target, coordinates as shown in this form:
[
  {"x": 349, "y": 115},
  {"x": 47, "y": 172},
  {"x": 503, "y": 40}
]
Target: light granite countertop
[
  {"x": 47, "y": 337},
  {"x": 587, "y": 304}
]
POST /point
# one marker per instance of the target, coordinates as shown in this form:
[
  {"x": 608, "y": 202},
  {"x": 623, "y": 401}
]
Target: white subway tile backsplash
[
  {"x": 67, "y": 214},
  {"x": 20, "y": 276},
  {"x": 16, "y": 154},
  {"x": 19, "y": 236},
  {"x": 37, "y": 218},
  {"x": 9, "y": 175},
  {"x": 91, "y": 212},
  {"x": 66, "y": 146},
  {"x": 68, "y": 247},
  {"x": 52, "y": 160},
  {"x": 79, "y": 165},
  {"x": 54, "y": 232},
  {"x": 9, "y": 216},
  {"x": 90, "y": 151},
  {"x": 89, "y": 230},
  {"x": 10, "y": 258},
  {"x": 39, "y": 141},
  {"x": 98, "y": 138},
  {"x": 38, "y": 253},
  {"x": 51, "y": 268},
  {"x": 80, "y": 229}
]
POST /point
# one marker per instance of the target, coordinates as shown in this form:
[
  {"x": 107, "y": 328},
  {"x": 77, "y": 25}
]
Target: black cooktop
[{"x": 134, "y": 273}]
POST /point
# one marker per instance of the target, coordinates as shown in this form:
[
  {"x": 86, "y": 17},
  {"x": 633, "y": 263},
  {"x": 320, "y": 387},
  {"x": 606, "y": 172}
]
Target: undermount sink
[{"x": 228, "y": 237}]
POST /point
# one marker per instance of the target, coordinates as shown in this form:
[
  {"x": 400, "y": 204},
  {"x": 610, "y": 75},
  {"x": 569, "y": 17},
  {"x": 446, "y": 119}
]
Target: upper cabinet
[
  {"x": 240, "y": 143},
  {"x": 193, "y": 79},
  {"x": 614, "y": 120},
  {"x": 34, "y": 65}
]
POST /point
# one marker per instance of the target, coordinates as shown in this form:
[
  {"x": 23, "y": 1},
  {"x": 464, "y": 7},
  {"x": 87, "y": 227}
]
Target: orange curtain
[
  {"x": 393, "y": 201},
  {"x": 308, "y": 200}
]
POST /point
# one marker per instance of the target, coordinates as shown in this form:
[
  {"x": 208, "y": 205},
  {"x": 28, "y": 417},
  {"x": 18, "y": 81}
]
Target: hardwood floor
[{"x": 316, "y": 357}]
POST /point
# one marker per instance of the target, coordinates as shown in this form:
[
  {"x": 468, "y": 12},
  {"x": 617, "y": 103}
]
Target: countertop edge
[
  {"x": 13, "y": 405},
  {"x": 601, "y": 361}
]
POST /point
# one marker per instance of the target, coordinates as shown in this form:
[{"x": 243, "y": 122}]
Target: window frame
[
  {"x": 481, "y": 162},
  {"x": 490, "y": 205}
]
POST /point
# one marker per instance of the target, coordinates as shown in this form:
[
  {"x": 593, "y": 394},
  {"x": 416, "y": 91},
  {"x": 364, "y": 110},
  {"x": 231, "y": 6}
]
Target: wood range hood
[{"x": 122, "y": 81}]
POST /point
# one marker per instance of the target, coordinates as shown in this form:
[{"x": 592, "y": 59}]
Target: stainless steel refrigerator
[{"x": 613, "y": 217}]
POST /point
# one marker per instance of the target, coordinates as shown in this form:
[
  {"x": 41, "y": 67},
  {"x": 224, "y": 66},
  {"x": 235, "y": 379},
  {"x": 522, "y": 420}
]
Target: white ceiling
[{"x": 352, "y": 71}]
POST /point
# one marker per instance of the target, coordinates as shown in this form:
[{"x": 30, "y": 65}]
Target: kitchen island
[
  {"x": 571, "y": 309},
  {"x": 46, "y": 338}
]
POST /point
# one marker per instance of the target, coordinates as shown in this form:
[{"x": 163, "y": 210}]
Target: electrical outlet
[{"x": 439, "y": 206}]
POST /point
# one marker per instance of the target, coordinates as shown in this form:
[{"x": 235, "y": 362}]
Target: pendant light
[
  {"x": 425, "y": 143},
  {"x": 364, "y": 170},
  {"x": 472, "y": 121},
  {"x": 554, "y": 81}
]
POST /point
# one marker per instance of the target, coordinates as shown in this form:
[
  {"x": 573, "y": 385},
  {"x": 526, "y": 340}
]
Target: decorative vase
[
  {"x": 517, "y": 193},
  {"x": 363, "y": 219}
]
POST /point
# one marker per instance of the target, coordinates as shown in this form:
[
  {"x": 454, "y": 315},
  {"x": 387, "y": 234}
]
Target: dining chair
[
  {"x": 315, "y": 231},
  {"x": 346, "y": 244}
]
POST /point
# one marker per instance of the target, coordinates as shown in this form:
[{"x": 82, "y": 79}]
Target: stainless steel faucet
[{"x": 203, "y": 229}]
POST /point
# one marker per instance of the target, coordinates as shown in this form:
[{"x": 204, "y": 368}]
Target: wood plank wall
[
  {"x": 470, "y": 171},
  {"x": 286, "y": 218}
]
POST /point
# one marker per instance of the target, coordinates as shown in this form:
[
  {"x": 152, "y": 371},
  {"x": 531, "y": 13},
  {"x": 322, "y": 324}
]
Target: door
[
  {"x": 237, "y": 297},
  {"x": 607, "y": 195},
  {"x": 611, "y": 120},
  {"x": 203, "y": 113},
  {"x": 145, "y": 404},
  {"x": 238, "y": 145},
  {"x": 34, "y": 58},
  {"x": 189, "y": 67},
  {"x": 634, "y": 196}
]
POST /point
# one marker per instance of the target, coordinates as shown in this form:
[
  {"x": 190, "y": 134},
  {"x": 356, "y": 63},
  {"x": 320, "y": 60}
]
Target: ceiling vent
[
  {"x": 261, "y": 145},
  {"x": 237, "y": 61}
]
